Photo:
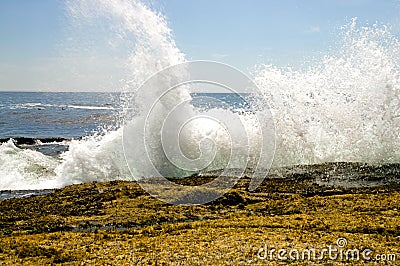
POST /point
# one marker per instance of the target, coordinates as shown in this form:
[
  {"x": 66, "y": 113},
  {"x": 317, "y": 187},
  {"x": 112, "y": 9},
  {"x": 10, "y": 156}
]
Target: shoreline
[{"x": 117, "y": 222}]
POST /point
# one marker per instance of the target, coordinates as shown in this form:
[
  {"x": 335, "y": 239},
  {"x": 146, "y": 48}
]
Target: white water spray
[{"x": 344, "y": 109}]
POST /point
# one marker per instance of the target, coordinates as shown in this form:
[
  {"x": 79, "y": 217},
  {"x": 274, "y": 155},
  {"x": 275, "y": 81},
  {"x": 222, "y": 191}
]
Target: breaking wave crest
[{"x": 344, "y": 108}]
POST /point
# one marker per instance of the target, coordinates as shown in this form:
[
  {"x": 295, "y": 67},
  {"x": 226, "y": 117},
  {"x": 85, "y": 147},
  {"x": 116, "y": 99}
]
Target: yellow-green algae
[{"x": 117, "y": 223}]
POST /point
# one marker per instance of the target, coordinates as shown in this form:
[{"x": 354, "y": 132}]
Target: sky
[{"x": 37, "y": 54}]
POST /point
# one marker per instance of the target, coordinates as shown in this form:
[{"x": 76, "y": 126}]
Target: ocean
[
  {"x": 282, "y": 156},
  {"x": 55, "y": 114},
  {"x": 38, "y": 128},
  {"x": 69, "y": 115},
  {"x": 343, "y": 107}
]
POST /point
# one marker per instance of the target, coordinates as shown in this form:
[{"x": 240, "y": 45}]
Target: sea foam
[{"x": 343, "y": 108}]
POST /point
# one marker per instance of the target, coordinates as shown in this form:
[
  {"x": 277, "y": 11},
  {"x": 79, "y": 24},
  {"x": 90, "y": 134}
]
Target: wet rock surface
[{"x": 118, "y": 223}]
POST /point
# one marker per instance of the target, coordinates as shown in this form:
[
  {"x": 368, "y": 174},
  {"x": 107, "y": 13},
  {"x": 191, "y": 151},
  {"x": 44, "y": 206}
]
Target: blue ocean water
[
  {"x": 55, "y": 114},
  {"x": 48, "y": 129},
  {"x": 40, "y": 162},
  {"x": 77, "y": 114}
]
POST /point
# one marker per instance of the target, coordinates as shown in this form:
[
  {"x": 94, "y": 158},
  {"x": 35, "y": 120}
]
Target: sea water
[{"x": 343, "y": 108}]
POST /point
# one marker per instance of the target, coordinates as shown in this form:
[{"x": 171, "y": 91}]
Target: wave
[
  {"x": 344, "y": 108},
  {"x": 26, "y": 169},
  {"x": 62, "y": 106}
]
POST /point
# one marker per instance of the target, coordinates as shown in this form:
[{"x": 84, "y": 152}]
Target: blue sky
[
  {"x": 35, "y": 52},
  {"x": 280, "y": 32}
]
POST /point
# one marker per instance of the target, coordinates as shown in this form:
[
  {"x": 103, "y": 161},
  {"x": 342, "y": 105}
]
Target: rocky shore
[{"x": 117, "y": 223}]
